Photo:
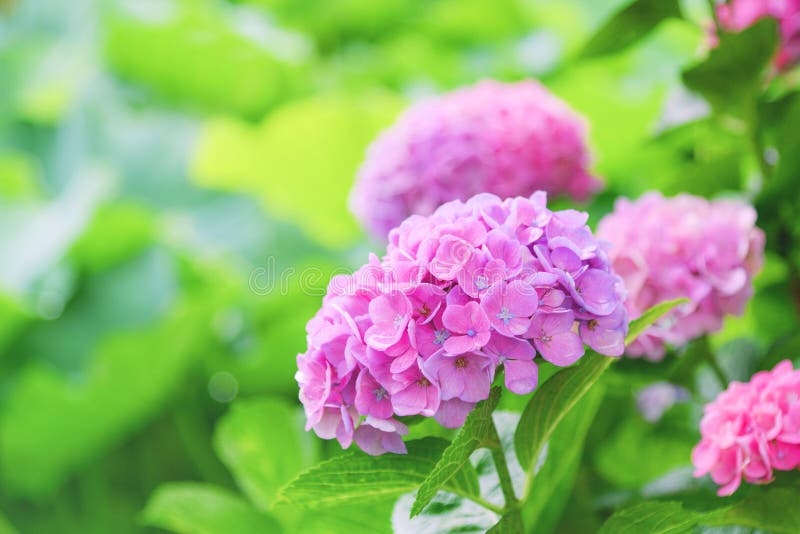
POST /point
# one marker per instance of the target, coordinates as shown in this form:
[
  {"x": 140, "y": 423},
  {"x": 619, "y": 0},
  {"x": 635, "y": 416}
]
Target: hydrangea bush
[
  {"x": 751, "y": 430},
  {"x": 508, "y": 139},
  {"x": 474, "y": 286},
  {"x": 686, "y": 246}
]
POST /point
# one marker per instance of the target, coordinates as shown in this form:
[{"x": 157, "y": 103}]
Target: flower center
[
  {"x": 471, "y": 332},
  {"x": 398, "y": 321},
  {"x": 504, "y": 315},
  {"x": 380, "y": 393},
  {"x": 424, "y": 382},
  {"x": 424, "y": 310},
  {"x": 460, "y": 363},
  {"x": 440, "y": 336},
  {"x": 592, "y": 324},
  {"x": 545, "y": 338},
  {"x": 481, "y": 282}
]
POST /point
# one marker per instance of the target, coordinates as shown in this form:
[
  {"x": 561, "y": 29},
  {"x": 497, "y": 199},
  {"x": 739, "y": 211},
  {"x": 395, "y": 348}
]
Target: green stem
[
  {"x": 712, "y": 361},
  {"x": 486, "y": 504},
  {"x": 503, "y": 474}
]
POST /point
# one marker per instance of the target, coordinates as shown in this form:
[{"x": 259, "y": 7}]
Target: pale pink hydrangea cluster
[
  {"x": 738, "y": 15},
  {"x": 474, "y": 286},
  {"x": 751, "y": 430},
  {"x": 686, "y": 246},
  {"x": 508, "y": 139}
]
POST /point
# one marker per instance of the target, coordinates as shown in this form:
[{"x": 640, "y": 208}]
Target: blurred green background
[{"x": 163, "y": 162}]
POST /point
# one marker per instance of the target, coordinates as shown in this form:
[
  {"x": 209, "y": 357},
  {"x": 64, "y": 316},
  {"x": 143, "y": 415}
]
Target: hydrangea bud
[
  {"x": 667, "y": 248},
  {"x": 751, "y": 430},
  {"x": 472, "y": 287},
  {"x": 503, "y": 138}
]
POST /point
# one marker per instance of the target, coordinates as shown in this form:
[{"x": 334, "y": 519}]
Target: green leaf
[
  {"x": 192, "y": 508},
  {"x": 629, "y": 25},
  {"x": 731, "y": 75},
  {"x": 649, "y": 317},
  {"x": 478, "y": 429},
  {"x": 5, "y": 525},
  {"x": 300, "y": 171},
  {"x": 773, "y": 510},
  {"x": 551, "y": 485},
  {"x": 245, "y": 441},
  {"x": 655, "y": 517},
  {"x": 356, "y": 478},
  {"x": 551, "y": 402}
]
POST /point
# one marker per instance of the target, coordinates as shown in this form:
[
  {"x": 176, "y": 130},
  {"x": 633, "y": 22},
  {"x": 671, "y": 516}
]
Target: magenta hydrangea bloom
[
  {"x": 667, "y": 248},
  {"x": 503, "y": 138},
  {"x": 737, "y": 15},
  {"x": 751, "y": 430},
  {"x": 472, "y": 287}
]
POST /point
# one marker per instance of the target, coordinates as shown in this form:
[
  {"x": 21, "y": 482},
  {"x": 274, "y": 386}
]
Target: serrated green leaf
[
  {"x": 773, "y": 510},
  {"x": 192, "y": 508},
  {"x": 354, "y": 477},
  {"x": 731, "y": 75},
  {"x": 639, "y": 325},
  {"x": 551, "y": 403},
  {"x": 477, "y": 430},
  {"x": 655, "y": 517},
  {"x": 629, "y": 25},
  {"x": 245, "y": 442}
]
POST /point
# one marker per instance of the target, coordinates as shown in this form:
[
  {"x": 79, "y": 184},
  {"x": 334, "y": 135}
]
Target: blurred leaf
[
  {"x": 655, "y": 517},
  {"x": 551, "y": 402},
  {"x": 193, "y": 508},
  {"x": 129, "y": 378},
  {"x": 551, "y": 485},
  {"x": 649, "y": 317},
  {"x": 473, "y": 21},
  {"x": 354, "y": 477},
  {"x": 263, "y": 443},
  {"x": 731, "y": 75},
  {"x": 301, "y": 171},
  {"x": 17, "y": 177},
  {"x": 198, "y": 55},
  {"x": 116, "y": 233},
  {"x": 478, "y": 431},
  {"x": 639, "y": 452},
  {"x": 5, "y": 526},
  {"x": 629, "y": 25}
]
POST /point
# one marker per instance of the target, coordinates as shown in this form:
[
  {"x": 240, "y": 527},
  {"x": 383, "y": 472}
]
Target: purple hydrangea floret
[
  {"x": 503, "y": 138},
  {"x": 472, "y": 287}
]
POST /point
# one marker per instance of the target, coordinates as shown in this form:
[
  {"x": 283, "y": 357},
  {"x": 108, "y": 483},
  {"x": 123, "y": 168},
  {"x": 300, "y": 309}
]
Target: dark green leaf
[
  {"x": 653, "y": 517},
  {"x": 774, "y": 510},
  {"x": 731, "y": 75},
  {"x": 478, "y": 429},
  {"x": 355, "y": 478},
  {"x": 629, "y": 25},
  {"x": 191, "y": 508},
  {"x": 649, "y": 317}
]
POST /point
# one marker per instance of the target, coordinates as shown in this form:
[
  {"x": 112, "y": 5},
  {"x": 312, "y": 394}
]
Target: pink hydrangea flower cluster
[
  {"x": 686, "y": 246},
  {"x": 474, "y": 286},
  {"x": 503, "y": 138},
  {"x": 751, "y": 430},
  {"x": 737, "y": 15}
]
